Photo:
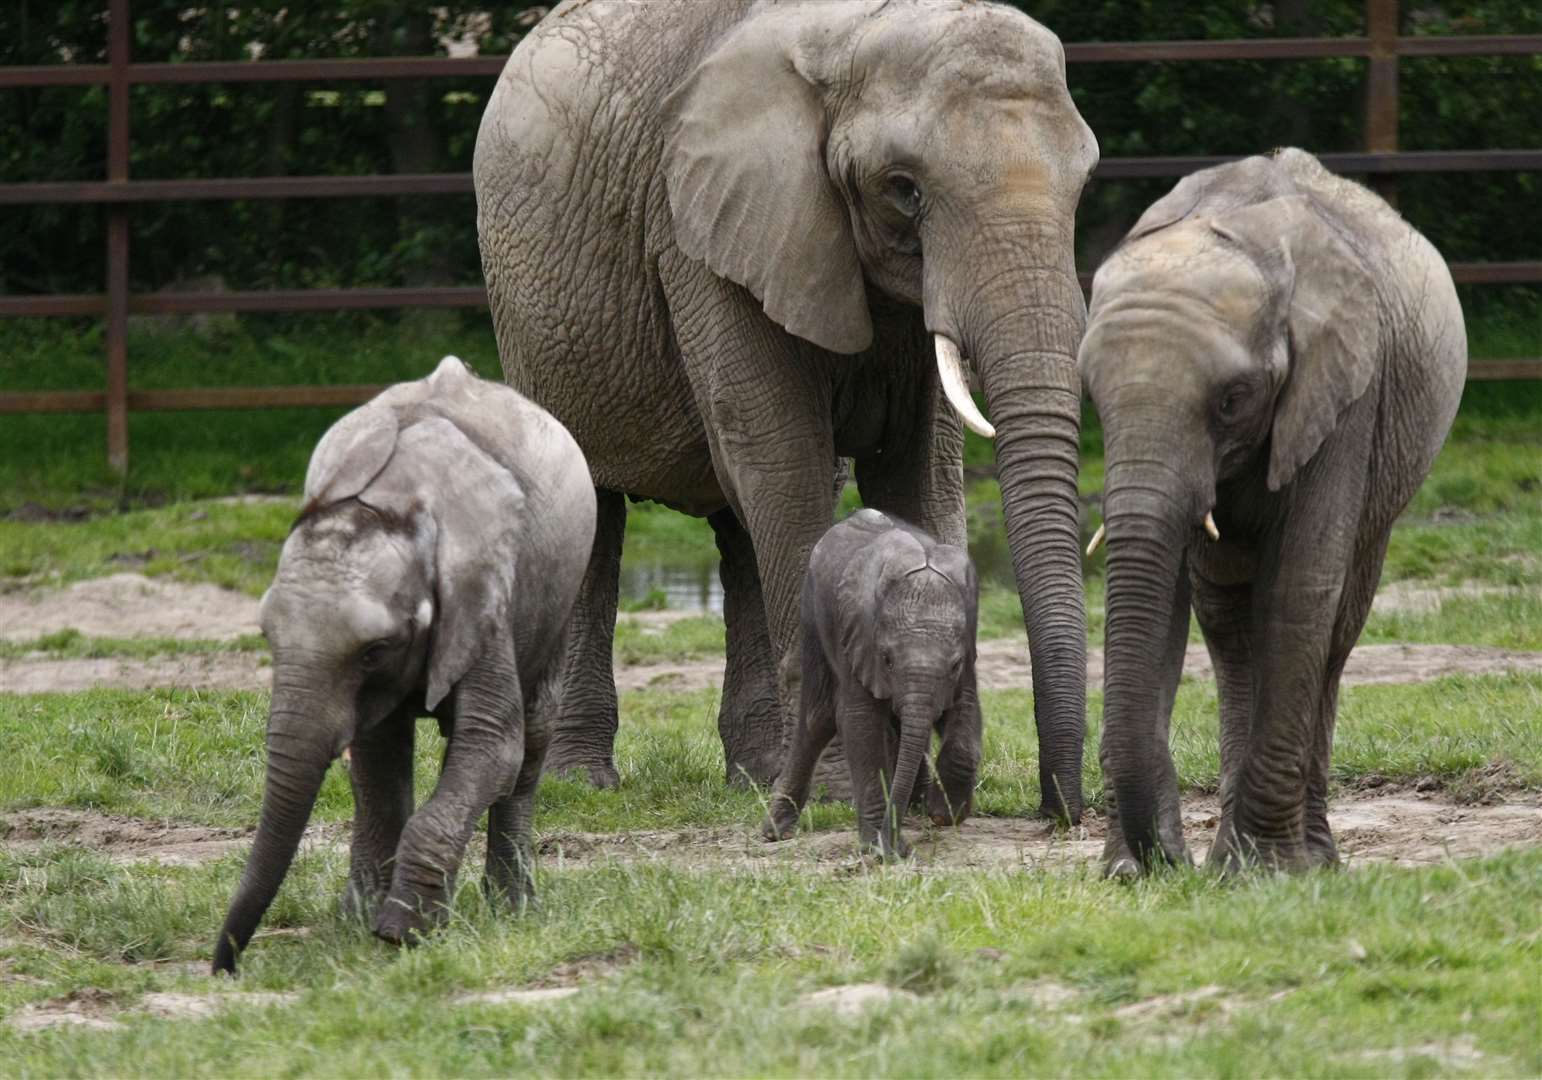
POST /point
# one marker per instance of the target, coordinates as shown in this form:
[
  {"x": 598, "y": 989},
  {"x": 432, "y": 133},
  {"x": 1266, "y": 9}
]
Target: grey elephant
[
  {"x": 782, "y": 225},
  {"x": 1276, "y": 357},
  {"x": 889, "y": 619},
  {"x": 433, "y": 569}
]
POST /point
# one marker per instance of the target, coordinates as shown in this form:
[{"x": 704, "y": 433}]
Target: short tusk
[
  {"x": 1215, "y": 534},
  {"x": 1097, "y": 538},
  {"x": 950, "y": 368}
]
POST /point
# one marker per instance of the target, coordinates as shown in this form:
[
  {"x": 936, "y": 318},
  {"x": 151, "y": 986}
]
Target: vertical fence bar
[
  {"x": 1381, "y": 88},
  {"x": 117, "y": 237}
]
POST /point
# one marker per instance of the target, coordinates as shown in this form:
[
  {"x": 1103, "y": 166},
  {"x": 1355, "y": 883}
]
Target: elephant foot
[
  {"x": 1120, "y": 863},
  {"x": 514, "y": 892},
  {"x": 944, "y": 811},
  {"x": 753, "y": 769},
  {"x": 596, "y": 767},
  {"x": 407, "y": 921},
  {"x": 1235, "y": 853},
  {"x": 1321, "y": 851},
  {"x": 360, "y": 900},
  {"x": 782, "y": 819}
]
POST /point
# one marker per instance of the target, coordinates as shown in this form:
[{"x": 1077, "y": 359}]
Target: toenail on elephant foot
[
  {"x": 401, "y": 922},
  {"x": 1122, "y": 868}
]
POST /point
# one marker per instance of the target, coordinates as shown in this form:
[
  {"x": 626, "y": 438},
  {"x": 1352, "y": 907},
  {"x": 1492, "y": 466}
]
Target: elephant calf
[
  {"x": 446, "y": 529},
  {"x": 1276, "y": 357},
  {"x": 889, "y": 621}
]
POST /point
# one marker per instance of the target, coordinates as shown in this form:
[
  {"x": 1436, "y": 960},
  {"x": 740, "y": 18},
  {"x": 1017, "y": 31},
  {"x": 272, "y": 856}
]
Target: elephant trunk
[
  {"x": 917, "y": 714},
  {"x": 1023, "y": 329},
  {"x": 1147, "y": 532},
  {"x": 297, "y": 764}
]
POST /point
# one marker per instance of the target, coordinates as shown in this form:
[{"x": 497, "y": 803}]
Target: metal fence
[{"x": 1381, "y": 47}]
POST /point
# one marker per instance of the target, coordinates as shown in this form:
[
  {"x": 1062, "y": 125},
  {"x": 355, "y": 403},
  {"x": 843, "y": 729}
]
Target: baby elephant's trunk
[{"x": 917, "y": 716}]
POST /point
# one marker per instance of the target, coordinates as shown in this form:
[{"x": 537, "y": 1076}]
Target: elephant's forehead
[
  {"x": 1187, "y": 266},
  {"x": 984, "y": 49},
  {"x": 323, "y": 589}
]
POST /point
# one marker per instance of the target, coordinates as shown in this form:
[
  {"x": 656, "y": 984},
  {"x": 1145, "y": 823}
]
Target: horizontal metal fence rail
[{"x": 1382, "y": 47}]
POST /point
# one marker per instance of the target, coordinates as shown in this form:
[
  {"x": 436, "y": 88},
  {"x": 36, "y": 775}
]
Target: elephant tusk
[
  {"x": 1097, "y": 538},
  {"x": 950, "y": 368},
  {"x": 1215, "y": 534}
]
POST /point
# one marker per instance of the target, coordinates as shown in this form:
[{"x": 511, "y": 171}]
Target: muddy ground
[
  {"x": 1405, "y": 827},
  {"x": 131, "y": 605}
]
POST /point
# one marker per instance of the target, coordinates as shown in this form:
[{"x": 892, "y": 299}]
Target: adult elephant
[{"x": 728, "y": 243}]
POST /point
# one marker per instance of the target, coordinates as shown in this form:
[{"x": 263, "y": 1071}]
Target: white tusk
[
  {"x": 950, "y": 368},
  {"x": 1215, "y": 534},
  {"x": 1097, "y": 538}
]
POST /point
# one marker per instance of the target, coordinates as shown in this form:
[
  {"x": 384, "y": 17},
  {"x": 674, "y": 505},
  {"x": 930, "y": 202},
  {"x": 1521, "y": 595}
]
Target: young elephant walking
[
  {"x": 445, "y": 532},
  {"x": 888, "y": 654},
  {"x": 1276, "y": 357}
]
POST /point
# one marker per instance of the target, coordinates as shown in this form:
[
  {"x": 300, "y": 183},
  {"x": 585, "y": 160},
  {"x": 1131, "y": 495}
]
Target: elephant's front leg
[
  {"x": 1118, "y": 860},
  {"x": 951, "y": 799},
  {"x": 749, "y": 716},
  {"x": 867, "y": 731},
  {"x": 380, "y": 773},
  {"x": 584, "y": 734},
  {"x": 1225, "y": 617},
  {"x": 484, "y": 757}
]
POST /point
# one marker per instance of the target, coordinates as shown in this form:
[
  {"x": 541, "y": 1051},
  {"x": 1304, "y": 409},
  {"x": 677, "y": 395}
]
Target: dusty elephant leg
[
  {"x": 584, "y": 734},
  {"x": 1225, "y": 617},
  {"x": 750, "y": 716},
  {"x": 509, "y": 874},
  {"x": 1118, "y": 860},
  {"x": 812, "y": 733},
  {"x": 865, "y": 724},
  {"x": 485, "y": 755},
  {"x": 380, "y": 774}
]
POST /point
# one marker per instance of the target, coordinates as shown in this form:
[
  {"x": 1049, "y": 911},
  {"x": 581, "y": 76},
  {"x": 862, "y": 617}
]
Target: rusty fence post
[
  {"x": 119, "y": 38},
  {"x": 1381, "y": 89}
]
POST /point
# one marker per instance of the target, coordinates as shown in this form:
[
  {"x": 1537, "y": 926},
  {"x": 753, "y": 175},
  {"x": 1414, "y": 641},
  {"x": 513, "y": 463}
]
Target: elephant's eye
[
  {"x": 888, "y": 662},
  {"x": 901, "y": 190},
  {"x": 1231, "y": 403},
  {"x": 375, "y": 654}
]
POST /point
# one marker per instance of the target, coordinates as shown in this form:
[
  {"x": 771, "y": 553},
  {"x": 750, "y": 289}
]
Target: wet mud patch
[{"x": 129, "y": 840}]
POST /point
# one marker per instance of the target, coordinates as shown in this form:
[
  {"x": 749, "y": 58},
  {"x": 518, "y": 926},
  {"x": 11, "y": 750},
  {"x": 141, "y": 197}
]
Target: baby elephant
[
  {"x": 888, "y": 654},
  {"x": 446, "y": 529}
]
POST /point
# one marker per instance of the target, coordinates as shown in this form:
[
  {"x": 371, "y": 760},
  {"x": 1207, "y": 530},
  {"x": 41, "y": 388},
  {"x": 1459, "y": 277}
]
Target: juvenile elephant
[
  {"x": 726, "y": 243},
  {"x": 432, "y": 571},
  {"x": 1275, "y": 354},
  {"x": 889, "y": 619}
]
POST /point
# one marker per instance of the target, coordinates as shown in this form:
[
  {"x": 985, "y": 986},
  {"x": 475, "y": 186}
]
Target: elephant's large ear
[
  {"x": 748, "y": 190},
  {"x": 476, "y": 506},
  {"x": 351, "y": 454},
  {"x": 1333, "y": 320},
  {"x": 1215, "y": 191},
  {"x": 875, "y": 568}
]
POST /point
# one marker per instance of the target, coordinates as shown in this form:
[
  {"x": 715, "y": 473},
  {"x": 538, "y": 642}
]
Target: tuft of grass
[
  {"x": 71, "y": 644},
  {"x": 198, "y": 756}
]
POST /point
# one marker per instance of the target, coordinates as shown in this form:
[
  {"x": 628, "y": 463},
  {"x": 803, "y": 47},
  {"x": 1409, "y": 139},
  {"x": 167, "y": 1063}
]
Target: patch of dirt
[
  {"x": 1165, "y": 1006},
  {"x": 583, "y": 969},
  {"x": 1406, "y": 829},
  {"x": 853, "y": 999},
  {"x": 136, "y": 840},
  {"x": 1459, "y": 1054},
  {"x": 128, "y": 605},
  {"x": 89, "y": 1007},
  {"x": 169, "y": 1006},
  {"x": 37, "y": 674}
]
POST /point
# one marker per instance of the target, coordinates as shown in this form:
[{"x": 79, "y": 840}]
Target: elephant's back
[{"x": 571, "y": 212}]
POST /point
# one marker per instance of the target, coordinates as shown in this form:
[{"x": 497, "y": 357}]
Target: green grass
[
  {"x": 73, "y": 645},
  {"x": 198, "y": 756},
  {"x": 1380, "y": 972}
]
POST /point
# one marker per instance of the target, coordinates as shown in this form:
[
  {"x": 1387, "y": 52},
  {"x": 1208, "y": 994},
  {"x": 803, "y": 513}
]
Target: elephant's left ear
[
  {"x": 748, "y": 189},
  {"x": 351, "y": 454},
  {"x": 477, "y": 507},
  {"x": 1334, "y": 321}
]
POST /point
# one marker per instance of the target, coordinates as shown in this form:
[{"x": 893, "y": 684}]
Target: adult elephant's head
[
  {"x": 1228, "y": 334},
  {"x": 932, "y": 153}
]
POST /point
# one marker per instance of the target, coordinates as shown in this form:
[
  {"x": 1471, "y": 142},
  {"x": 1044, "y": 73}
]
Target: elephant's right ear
[
  {"x": 859, "y": 602},
  {"x": 1215, "y": 191},
  {"x": 351, "y": 454},
  {"x": 748, "y": 190}
]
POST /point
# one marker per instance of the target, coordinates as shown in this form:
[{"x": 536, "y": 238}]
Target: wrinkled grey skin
[
  {"x": 433, "y": 571},
  {"x": 889, "y": 618},
  {"x": 1275, "y": 343},
  {"x": 702, "y": 227}
]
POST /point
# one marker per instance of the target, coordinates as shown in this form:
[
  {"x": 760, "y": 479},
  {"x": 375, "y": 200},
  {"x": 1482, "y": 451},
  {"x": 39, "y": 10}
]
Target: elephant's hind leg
[
  {"x": 584, "y": 734},
  {"x": 509, "y": 876},
  {"x": 380, "y": 773},
  {"x": 750, "y": 716},
  {"x": 812, "y": 733}
]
